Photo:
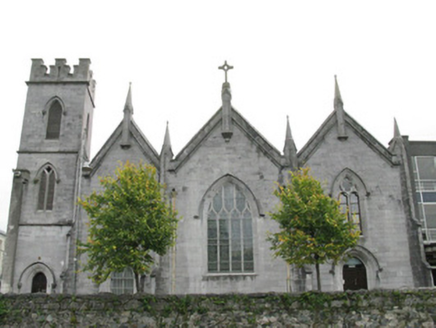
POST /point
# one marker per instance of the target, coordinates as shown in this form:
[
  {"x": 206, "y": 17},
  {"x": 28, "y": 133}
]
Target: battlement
[{"x": 60, "y": 71}]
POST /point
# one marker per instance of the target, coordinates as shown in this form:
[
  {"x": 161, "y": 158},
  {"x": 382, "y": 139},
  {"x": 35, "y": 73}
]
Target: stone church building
[{"x": 221, "y": 184}]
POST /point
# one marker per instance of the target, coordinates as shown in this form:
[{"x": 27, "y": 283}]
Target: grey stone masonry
[
  {"x": 40, "y": 237},
  {"x": 221, "y": 183},
  {"x": 411, "y": 308}
]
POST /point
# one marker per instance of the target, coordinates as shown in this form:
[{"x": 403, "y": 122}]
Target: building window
[
  {"x": 349, "y": 202},
  {"x": 54, "y": 121},
  {"x": 46, "y": 189},
  {"x": 122, "y": 282},
  {"x": 424, "y": 169},
  {"x": 229, "y": 231}
]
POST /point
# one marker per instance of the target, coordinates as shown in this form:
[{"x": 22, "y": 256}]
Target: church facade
[{"x": 221, "y": 184}]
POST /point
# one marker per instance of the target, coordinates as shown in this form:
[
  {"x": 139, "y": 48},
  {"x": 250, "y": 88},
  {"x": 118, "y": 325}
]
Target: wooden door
[
  {"x": 39, "y": 283},
  {"x": 354, "y": 275}
]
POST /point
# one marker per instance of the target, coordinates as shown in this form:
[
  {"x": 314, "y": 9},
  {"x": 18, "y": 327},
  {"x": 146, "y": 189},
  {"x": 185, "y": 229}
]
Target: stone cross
[{"x": 225, "y": 68}]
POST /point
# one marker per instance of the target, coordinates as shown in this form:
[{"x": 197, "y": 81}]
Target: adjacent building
[{"x": 422, "y": 162}]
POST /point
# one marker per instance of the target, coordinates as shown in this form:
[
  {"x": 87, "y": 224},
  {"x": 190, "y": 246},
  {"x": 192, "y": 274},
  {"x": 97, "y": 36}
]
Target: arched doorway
[
  {"x": 354, "y": 275},
  {"x": 39, "y": 283}
]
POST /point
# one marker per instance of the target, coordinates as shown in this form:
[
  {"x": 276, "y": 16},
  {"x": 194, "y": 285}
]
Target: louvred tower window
[{"x": 54, "y": 121}]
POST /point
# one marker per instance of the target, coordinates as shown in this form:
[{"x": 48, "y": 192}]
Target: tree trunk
[
  {"x": 318, "y": 276},
  {"x": 141, "y": 283},
  {"x": 137, "y": 282}
]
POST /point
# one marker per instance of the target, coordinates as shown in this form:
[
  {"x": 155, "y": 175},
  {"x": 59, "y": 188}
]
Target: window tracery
[
  {"x": 46, "y": 189},
  {"x": 349, "y": 201},
  {"x": 229, "y": 231},
  {"x": 122, "y": 282}
]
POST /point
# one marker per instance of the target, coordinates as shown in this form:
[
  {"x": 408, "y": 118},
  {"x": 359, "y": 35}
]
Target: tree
[
  {"x": 129, "y": 219},
  {"x": 312, "y": 228}
]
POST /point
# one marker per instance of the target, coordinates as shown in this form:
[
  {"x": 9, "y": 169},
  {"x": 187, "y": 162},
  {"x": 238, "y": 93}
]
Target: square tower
[{"x": 55, "y": 142}]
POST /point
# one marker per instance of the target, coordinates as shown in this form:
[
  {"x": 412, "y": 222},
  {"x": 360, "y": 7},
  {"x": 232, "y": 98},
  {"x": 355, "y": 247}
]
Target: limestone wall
[
  {"x": 194, "y": 182},
  {"x": 383, "y": 219},
  {"x": 352, "y": 309}
]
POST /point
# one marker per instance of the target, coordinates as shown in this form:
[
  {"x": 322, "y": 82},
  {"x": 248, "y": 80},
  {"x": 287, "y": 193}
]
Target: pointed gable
[
  {"x": 115, "y": 140},
  {"x": 342, "y": 121},
  {"x": 330, "y": 123},
  {"x": 123, "y": 137},
  {"x": 237, "y": 120},
  {"x": 227, "y": 119}
]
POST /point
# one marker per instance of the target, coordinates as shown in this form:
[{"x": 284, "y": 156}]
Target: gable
[
  {"x": 332, "y": 156},
  {"x": 112, "y": 152},
  {"x": 352, "y": 127},
  {"x": 214, "y": 124}
]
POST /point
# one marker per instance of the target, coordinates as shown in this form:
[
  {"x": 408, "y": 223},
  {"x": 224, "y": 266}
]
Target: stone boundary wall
[{"x": 405, "y": 308}]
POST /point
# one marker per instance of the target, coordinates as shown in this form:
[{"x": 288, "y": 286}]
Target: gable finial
[
  {"x": 167, "y": 139},
  {"x": 340, "y": 115},
  {"x": 226, "y": 112},
  {"x": 225, "y": 68},
  {"x": 397, "y": 133},
  {"x": 128, "y": 111},
  {"x": 338, "y": 97},
  {"x": 396, "y": 145},
  {"x": 166, "y": 155},
  {"x": 290, "y": 151},
  {"x": 129, "y": 105}
]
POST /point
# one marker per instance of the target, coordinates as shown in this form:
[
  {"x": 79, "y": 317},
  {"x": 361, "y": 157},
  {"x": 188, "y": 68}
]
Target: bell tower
[
  {"x": 55, "y": 142},
  {"x": 59, "y": 108}
]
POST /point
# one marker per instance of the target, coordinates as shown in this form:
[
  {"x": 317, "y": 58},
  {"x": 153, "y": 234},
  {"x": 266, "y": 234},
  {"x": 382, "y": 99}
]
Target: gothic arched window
[
  {"x": 122, "y": 282},
  {"x": 46, "y": 189},
  {"x": 229, "y": 231},
  {"x": 349, "y": 201},
  {"x": 54, "y": 120}
]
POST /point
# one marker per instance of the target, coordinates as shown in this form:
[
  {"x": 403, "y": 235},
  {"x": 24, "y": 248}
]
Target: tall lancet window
[
  {"x": 349, "y": 201},
  {"x": 54, "y": 120},
  {"x": 229, "y": 231},
  {"x": 46, "y": 189}
]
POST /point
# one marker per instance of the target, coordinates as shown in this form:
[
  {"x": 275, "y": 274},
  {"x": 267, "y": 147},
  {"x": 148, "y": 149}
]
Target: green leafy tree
[
  {"x": 312, "y": 228},
  {"x": 129, "y": 219}
]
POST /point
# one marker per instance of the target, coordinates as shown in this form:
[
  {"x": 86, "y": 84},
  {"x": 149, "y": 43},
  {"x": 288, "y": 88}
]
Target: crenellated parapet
[{"x": 60, "y": 72}]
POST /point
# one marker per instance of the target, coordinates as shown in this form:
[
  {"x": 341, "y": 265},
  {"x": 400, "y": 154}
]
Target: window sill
[{"x": 229, "y": 276}]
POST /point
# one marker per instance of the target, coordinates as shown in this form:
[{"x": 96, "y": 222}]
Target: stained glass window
[
  {"x": 349, "y": 205},
  {"x": 229, "y": 231}
]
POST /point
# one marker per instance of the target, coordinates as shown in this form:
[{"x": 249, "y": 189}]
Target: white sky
[{"x": 284, "y": 53}]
